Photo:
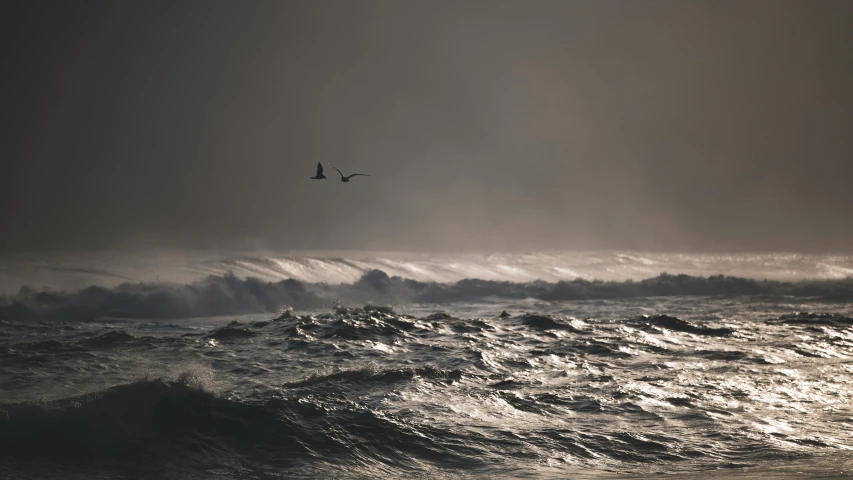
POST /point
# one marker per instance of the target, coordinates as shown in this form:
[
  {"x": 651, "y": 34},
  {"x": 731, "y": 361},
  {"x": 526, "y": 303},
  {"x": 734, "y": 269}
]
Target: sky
[{"x": 485, "y": 125}]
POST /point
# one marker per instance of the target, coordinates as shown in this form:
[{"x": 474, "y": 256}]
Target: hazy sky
[{"x": 661, "y": 125}]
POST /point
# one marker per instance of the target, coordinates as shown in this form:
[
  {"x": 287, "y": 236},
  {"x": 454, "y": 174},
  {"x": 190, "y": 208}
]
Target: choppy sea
[{"x": 381, "y": 365}]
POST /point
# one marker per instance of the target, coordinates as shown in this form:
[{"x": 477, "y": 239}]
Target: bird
[
  {"x": 346, "y": 179},
  {"x": 319, "y": 175}
]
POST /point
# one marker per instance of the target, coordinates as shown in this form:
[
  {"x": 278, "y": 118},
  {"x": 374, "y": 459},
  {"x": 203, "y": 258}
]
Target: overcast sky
[{"x": 658, "y": 125}]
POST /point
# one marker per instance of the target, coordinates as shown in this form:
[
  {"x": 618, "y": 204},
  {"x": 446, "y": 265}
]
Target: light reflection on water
[{"x": 603, "y": 391}]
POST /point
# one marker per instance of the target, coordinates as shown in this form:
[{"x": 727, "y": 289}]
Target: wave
[
  {"x": 110, "y": 269},
  {"x": 655, "y": 322},
  {"x": 546, "y": 322},
  {"x": 816, "y": 319},
  {"x": 379, "y": 375},
  {"x": 118, "y": 420},
  {"x": 230, "y": 295},
  {"x": 180, "y": 421}
]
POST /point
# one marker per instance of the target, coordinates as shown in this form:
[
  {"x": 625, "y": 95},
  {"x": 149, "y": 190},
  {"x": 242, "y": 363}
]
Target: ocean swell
[{"x": 162, "y": 419}]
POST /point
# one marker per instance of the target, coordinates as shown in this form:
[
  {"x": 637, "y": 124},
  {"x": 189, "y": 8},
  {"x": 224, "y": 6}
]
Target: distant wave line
[{"x": 231, "y": 295}]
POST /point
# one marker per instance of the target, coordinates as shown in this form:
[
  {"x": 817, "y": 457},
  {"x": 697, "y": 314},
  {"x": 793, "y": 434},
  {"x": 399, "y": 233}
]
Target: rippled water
[{"x": 724, "y": 385}]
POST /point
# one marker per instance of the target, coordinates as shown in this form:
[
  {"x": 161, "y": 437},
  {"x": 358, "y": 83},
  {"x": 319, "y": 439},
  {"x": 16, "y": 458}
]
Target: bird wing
[
  {"x": 357, "y": 174},
  {"x": 342, "y": 175},
  {"x": 319, "y": 169}
]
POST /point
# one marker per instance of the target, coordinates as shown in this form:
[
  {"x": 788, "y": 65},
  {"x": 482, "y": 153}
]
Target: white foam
[{"x": 74, "y": 271}]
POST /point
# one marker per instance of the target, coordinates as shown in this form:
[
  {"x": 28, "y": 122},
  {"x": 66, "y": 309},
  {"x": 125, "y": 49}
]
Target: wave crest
[{"x": 116, "y": 421}]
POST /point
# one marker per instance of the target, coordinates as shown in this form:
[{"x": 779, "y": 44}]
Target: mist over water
[{"x": 486, "y": 126}]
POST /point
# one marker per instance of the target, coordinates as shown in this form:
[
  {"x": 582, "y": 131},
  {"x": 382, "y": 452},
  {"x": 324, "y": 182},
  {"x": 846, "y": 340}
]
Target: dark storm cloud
[{"x": 656, "y": 125}]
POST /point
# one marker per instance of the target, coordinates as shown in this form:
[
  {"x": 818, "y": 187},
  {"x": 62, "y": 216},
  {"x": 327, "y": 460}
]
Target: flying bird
[
  {"x": 319, "y": 175},
  {"x": 346, "y": 179}
]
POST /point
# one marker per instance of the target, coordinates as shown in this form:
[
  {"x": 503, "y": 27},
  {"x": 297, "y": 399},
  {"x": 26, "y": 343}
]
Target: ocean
[{"x": 198, "y": 365}]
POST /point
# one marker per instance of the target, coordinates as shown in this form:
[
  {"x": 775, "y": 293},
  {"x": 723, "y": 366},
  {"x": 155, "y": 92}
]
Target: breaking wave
[
  {"x": 230, "y": 295},
  {"x": 109, "y": 269}
]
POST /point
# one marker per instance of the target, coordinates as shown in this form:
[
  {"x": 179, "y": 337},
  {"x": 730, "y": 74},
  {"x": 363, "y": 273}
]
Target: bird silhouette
[
  {"x": 346, "y": 179},
  {"x": 319, "y": 175}
]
